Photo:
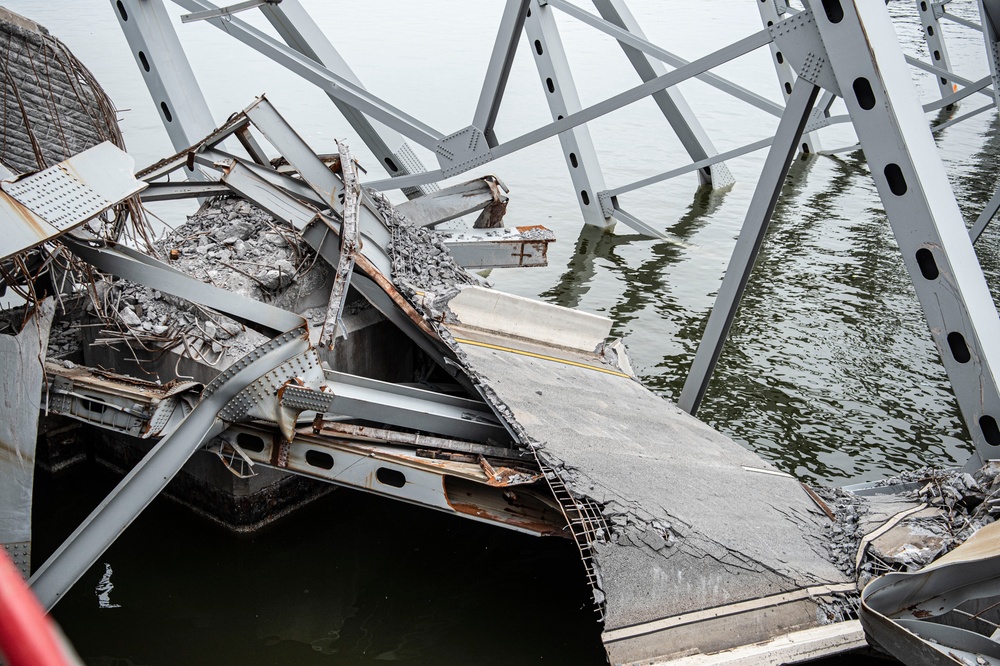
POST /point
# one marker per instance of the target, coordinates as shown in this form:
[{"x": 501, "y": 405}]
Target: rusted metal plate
[
  {"x": 517, "y": 247},
  {"x": 42, "y": 205},
  {"x": 444, "y": 484}
]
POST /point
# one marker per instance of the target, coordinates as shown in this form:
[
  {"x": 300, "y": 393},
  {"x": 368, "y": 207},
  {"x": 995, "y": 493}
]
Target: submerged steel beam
[
  {"x": 134, "y": 493},
  {"x": 985, "y": 217},
  {"x": 765, "y": 196},
  {"x": 921, "y": 207},
  {"x": 935, "y": 44}
]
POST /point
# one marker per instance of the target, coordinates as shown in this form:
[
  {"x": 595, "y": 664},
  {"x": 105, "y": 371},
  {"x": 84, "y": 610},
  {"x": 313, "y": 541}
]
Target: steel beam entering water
[
  {"x": 72, "y": 559},
  {"x": 779, "y": 158}
]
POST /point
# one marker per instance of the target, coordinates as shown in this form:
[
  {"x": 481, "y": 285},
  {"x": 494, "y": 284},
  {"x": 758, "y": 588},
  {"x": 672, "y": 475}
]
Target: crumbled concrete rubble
[
  {"x": 958, "y": 503},
  {"x": 231, "y": 244},
  {"x": 847, "y": 531},
  {"x": 64, "y": 340},
  {"x": 421, "y": 262}
]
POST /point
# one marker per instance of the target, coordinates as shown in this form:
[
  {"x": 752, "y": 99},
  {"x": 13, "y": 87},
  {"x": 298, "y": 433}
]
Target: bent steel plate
[
  {"x": 903, "y": 612},
  {"x": 45, "y": 204}
]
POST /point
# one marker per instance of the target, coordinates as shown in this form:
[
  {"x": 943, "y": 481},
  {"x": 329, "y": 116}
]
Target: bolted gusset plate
[
  {"x": 799, "y": 40},
  {"x": 262, "y": 399},
  {"x": 463, "y": 150}
]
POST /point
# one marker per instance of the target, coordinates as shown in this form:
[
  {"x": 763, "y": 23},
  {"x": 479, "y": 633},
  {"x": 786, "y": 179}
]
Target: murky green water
[
  {"x": 349, "y": 579},
  {"x": 830, "y": 371}
]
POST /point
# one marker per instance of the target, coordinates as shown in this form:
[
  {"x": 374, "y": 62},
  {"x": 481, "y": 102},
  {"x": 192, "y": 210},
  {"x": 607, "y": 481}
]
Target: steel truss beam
[
  {"x": 672, "y": 104},
  {"x": 310, "y": 54},
  {"x": 941, "y": 72},
  {"x": 308, "y": 50},
  {"x": 935, "y": 44},
  {"x": 989, "y": 14},
  {"x": 625, "y": 37},
  {"x": 504, "y": 49},
  {"x": 765, "y": 196},
  {"x": 165, "y": 70},
  {"x": 134, "y": 493},
  {"x": 297, "y": 28},
  {"x": 938, "y": 9},
  {"x": 563, "y": 100},
  {"x": 672, "y": 78},
  {"x": 769, "y": 15},
  {"x": 866, "y": 63},
  {"x": 333, "y": 84},
  {"x": 921, "y": 208}
]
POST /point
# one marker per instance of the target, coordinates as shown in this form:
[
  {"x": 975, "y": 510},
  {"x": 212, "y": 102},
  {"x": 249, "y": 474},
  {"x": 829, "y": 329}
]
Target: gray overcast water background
[{"x": 830, "y": 371}]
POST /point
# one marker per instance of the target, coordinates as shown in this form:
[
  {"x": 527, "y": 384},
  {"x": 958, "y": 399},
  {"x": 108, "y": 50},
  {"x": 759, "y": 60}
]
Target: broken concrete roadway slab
[{"x": 697, "y": 521}]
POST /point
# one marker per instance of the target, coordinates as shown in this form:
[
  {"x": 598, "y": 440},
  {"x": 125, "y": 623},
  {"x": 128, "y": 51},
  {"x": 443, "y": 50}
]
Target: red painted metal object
[{"x": 27, "y": 636}]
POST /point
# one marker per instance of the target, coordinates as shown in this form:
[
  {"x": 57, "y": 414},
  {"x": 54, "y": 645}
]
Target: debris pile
[
  {"x": 942, "y": 510},
  {"x": 234, "y": 245},
  {"x": 231, "y": 244},
  {"x": 420, "y": 260},
  {"x": 64, "y": 339},
  {"x": 969, "y": 501},
  {"x": 846, "y": 531}
]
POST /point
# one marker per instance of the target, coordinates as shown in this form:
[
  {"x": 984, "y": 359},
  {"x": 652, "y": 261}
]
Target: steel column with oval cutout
[
  {"x": 920, "y": 204},
  {"x": 560, "y": 93},
  {"x": 927, "y": 11},
  {"x": 165, "y": 70}
]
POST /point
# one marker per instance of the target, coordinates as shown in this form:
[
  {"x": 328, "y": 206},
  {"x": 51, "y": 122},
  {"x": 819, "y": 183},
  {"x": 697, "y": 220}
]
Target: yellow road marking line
[{"x": 465, "y": 341}]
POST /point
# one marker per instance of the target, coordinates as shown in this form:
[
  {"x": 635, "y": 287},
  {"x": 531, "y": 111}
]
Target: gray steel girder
[
  {"x": 935, "y": 44},
  {"x": 349, "y": 245},
  {"x": 297, "y": 28},
  {"x": 921, "y": 208},
  {"x": 769, "y": 15},
  {"x": 495, "y": 81},
  {"x": 673, "y": 105},
  {"x": 330, "y": 82},
  {"x": 562, "y": 98},
  {"x": 454, "y": 201},
  {"x": 165, "y": 70},
  {"x": 765, "y": 196}
]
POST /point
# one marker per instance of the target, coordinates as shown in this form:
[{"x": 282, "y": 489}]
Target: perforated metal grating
[{"x": 58, "y": 197}]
